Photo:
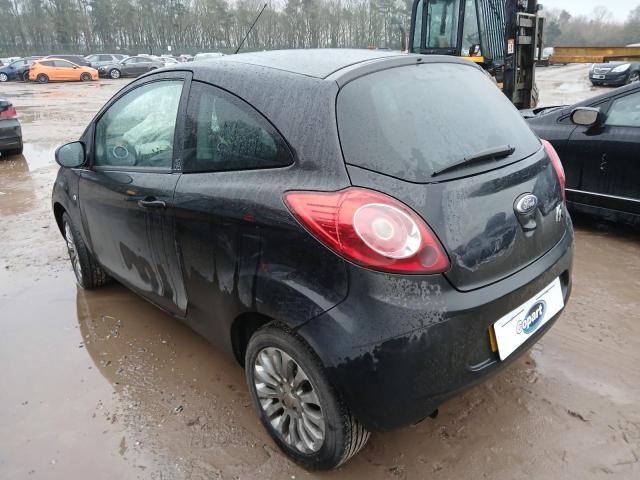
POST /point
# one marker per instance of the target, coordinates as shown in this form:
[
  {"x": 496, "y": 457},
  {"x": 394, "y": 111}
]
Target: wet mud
[{"x": 102, "y": 385}]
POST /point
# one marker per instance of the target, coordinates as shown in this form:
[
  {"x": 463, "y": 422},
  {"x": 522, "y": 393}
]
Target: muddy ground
[{"x": 101, "y": 385}]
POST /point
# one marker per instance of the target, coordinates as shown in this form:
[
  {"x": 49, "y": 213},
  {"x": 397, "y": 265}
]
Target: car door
[
  {"x": 230, "y": 148},
  {"x": 610, "y": 156},
  {"x": 129, "y": 67},
  {"x": 126, "y": 195},
  {"x": 143, "y": 65},
  {"x": 65, "y": 70}
]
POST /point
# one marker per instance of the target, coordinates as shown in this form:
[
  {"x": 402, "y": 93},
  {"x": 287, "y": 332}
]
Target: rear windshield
[{"x": 412, "y": 121}]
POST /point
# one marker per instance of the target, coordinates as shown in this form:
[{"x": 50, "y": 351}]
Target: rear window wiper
[{"x": 495, "y": 153}]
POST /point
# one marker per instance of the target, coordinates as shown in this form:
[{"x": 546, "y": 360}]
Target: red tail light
[
  {"x": 9, "y": 113},
  {"x": 557, "y": 164},
  {"x": 370, "y": 229}
]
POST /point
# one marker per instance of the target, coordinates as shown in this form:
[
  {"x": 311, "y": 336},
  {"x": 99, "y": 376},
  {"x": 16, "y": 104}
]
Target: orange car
[{"x": 56, "y": 69}]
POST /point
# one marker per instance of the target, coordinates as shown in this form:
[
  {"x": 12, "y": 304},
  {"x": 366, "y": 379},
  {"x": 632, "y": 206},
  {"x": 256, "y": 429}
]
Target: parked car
[
  {"x": 321, "y": 218},
  {"x": 10, "y": 130},
  {"x": 599, "y": 141},
  {"x": 77, "y": 59},
  {"x": 101, "y": 59},
  {"x": 614, "y": 74},
  {"x": 169, "y": 61},
  {"x": 17, "y": 70},
  {"x": 206, "y": 56},
  {"x": 130, "y": 67},
  {"x": 56, "y": 69}
]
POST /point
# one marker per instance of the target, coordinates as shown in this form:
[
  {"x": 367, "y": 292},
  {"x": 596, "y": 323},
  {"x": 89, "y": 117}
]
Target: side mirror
[
  {"x": 587, "y": 117},
  {"x": 71, "y": 155}
]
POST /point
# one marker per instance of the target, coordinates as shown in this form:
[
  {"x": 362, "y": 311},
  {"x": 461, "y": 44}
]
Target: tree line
[
  {"x": 597, "y": 29},
  {"x": 31, "y": 27},
  {"x": 189, "y": 26}
]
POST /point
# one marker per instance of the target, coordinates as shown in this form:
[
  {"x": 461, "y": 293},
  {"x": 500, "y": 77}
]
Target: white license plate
[
  {"x": 599, "y": 77},
  {"x": 516, "y": 327}
]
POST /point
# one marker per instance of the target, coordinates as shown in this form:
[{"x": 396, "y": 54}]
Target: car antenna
[{"x": 250, "y": 28}]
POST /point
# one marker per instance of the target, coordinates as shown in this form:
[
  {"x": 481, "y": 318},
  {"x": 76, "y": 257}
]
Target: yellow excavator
[{"x": 503, "y": 36}]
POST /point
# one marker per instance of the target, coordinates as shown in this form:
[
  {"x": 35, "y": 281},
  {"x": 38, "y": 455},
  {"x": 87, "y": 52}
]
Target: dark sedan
[
  {"x": 317, "y": 214},
  {"x": 599, "y": 143},
  {"x": 10, "y": 130},
  {"x": 17, "y": 70},
  {"x": 130, "y": 67},
  {"x": 614, "y": 74}
]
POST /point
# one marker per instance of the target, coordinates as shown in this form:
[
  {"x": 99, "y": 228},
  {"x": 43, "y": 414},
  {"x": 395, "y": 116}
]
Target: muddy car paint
[
  {"x": 600, "y": 163},
  {"x": 241, "y": 259}
]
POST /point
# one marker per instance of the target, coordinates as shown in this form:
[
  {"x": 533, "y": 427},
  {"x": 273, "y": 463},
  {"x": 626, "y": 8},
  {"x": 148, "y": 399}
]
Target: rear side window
[
  {"x": 225, "y": 133},
  {"x": 412, "y": 121}
]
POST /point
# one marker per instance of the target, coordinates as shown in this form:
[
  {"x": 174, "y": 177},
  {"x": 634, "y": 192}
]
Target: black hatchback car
[
  {"x": 599, "y": 142},
  {"x": 363, "y": 238}
]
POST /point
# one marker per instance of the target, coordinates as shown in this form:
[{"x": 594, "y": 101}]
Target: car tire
[
  {"x": 633, "y": 78},
  {"x": 114, "y": 73},
  {"x": 281, "y": 408},
  {"x": 42, "y": 78},
  {"x": 25, "y": 76},
  {"x": 89, "y": 274},
  {"x": 85, "y": 77},
  {"x": 4, "y": 77}
]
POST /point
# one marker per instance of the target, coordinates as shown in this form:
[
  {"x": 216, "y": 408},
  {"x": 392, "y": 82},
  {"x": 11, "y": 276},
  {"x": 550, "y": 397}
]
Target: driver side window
[
  {"x": 138, "y": 129},
  {"x": 625, "y": 112}
]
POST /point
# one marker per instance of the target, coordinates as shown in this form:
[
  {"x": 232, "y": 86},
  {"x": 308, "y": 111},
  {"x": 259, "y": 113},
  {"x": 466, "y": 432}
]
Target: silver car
[{"x": 101, "y": 59}]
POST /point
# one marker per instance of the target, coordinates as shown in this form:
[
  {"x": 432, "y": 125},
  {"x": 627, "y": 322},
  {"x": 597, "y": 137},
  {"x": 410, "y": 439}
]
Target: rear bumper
[
  {"x": 399, "y": 346},
  {"x": 10, "y": 134}
]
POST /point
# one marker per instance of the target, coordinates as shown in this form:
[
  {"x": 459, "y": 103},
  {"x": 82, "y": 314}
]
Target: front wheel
[
  {"x": 4, "y": 77},
  {"x": 25, "y": 76},
  {"x": 114, "y": 73},
  {"x": 42, "y": 78},
  {"x": 296, "y": 403},
  {"x": 85, "y": 77},
  {"x": 88, "y": 273},
  {"x": 633, "y": 78}
]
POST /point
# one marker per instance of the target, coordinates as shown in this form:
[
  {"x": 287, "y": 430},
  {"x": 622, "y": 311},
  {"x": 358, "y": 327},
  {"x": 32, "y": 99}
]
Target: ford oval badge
[
  {"x": 527, "y": 203},
  {"x": 533, "y": 318}
]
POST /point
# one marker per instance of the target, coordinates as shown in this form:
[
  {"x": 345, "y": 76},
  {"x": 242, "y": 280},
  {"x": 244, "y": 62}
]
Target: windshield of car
[{"x": 412, "y": 121}]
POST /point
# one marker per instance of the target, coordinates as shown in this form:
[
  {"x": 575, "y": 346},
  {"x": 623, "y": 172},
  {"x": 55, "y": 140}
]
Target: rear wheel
[
  {"x": 114, "y": 73},
  {"x": 42, "y": 78},
  {"x": 296, "y": 403},
  {"x": 25, "y": 76},
  {"x": 85, "y": 77},
  {"x": 88, "y": 273},
  {"x": 4, "y": 77}
]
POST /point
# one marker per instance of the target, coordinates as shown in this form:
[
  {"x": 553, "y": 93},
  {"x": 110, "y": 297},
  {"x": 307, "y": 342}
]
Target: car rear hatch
[{"x": 444, "y": 140}]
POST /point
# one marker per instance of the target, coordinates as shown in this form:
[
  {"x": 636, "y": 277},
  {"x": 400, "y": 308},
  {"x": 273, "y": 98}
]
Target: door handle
[{"x": 152, "y": 203}]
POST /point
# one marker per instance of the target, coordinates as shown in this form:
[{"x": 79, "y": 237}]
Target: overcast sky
[{"x": 620, "y": 8}]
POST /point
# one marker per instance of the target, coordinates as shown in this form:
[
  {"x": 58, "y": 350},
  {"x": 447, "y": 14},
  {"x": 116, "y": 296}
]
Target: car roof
[{"x": 318, "y": 63}]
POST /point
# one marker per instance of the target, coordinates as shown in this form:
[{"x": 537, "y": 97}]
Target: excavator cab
[{"x": 503, "y": 36}]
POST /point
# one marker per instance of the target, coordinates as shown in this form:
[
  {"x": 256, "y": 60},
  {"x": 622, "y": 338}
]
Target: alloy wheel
[
  {"x": 634, "y": 77},
  {"x": 114, "y": 73},
  {"x": 289, "y": 400},
  {"x": 73, "y": 252},
  {"x": 3, "y": 77}
]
